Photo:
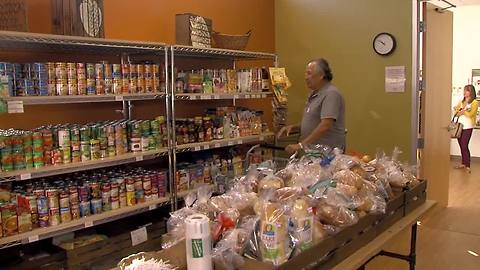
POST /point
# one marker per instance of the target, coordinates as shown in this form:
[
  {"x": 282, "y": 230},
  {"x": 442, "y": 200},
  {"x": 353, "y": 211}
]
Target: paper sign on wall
[{"x": 395, "y": 79}]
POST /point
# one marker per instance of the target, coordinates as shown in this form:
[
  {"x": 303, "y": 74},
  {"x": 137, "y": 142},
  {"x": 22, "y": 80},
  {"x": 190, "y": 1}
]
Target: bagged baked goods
[
  {"x": 274, "y": 239},
  {"x": 301, "y": 219},
  {"x": 225, "y": 221},
  {"x": 228, "y": 252},
  {"x": 348, "y": 177},
  {"x": 270, "y": 182},
  {"x": 338, "y": 216}
]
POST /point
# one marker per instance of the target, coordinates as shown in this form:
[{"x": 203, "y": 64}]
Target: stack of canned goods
[
  {"x": 63, "y": 144},
  {"x": 61, "y": 79},
  {"x": 50, "y": 203}
]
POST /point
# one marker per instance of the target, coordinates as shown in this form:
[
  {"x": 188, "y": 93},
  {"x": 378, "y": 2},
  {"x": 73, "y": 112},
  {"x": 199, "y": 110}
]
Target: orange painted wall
[{"x": 149, "y": 20}]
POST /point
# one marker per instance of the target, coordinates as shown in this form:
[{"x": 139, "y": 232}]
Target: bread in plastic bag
[
  {"x": 270, "y": 182},
  {"x": 347, "y": 177},
  {"x": 176, "y": 227},
  {"x": 274, "y": 239},
  {"x": 336, "y": 215},
  {"x": 302, "y": 224},
  {"x": 228, "y": 251}
]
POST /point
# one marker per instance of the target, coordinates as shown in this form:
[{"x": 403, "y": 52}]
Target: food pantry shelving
[{"x": 127, "y": 51}]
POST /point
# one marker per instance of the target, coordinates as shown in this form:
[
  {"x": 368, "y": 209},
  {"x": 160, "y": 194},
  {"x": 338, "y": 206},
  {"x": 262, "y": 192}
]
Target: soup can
[
  {"x": 96, "y": 206},
  {"x": 85, "y": 209},
  {"x": 65, "y": 215},
  {"x": 54, "y": 217},
  {"x": 43, "y": 220}
]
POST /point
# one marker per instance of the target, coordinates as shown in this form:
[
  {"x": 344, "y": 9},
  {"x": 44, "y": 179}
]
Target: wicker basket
[
  {"x": 13, "y": 15},
  {"x": 232, "y": 42}
]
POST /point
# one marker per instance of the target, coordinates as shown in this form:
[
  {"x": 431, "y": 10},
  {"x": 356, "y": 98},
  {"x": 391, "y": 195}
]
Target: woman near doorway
[{"x": 466, "y": 110}]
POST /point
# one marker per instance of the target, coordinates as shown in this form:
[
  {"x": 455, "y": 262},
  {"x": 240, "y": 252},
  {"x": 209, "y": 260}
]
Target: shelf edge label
[
  {"x": 25, "y": 176},
  {"x": 33, "y": 238},
  {"x": 206, "y": 147},
  {"x": 88, "y": 224},
  {"x": 197, "y": 148},
  {"x": 217, "y": 145},
  {"x": 152, "y": 207},
  {"x": 139, "y": 158},
  {"x": 118, "y": 98}
]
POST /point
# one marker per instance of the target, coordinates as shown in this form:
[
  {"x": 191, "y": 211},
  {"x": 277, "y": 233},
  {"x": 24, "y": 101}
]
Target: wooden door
[{"x": 436, "y": 101}]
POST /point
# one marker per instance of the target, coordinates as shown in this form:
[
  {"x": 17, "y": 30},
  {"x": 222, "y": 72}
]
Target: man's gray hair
[{"x": 323, "y": 65}]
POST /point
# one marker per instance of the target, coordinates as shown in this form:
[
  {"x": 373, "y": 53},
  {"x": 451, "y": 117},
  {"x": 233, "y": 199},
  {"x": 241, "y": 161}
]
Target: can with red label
[
  {"x": 64, "y": 198},
  {"x": 123, "y": 199},
  {"x": 75, "y": 210},
  {"x": 52, "y": 196},
  {"x": 65, "y": 215},
  {"x": 54, "y": 217}
]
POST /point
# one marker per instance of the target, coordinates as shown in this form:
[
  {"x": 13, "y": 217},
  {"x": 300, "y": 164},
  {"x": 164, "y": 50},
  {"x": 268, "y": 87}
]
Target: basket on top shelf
[{"x": 232, "y": 42}]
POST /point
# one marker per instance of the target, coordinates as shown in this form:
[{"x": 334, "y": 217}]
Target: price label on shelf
[
  {"x": 205, "y": 97},
  {"x": 235, "y": 96},
  {"x": 216, "y": 97},
  {"x": 88, "y": 224},
  {"x": 206, "y": 147},
  {"x": 139, "y": 158},
  {"x": 139, "y": 236},
  {"x": 262, "y": 138},
  {"x": 247, "y": 96},
  {"x": 25, "y": 176},
  {"x": 33, "y": 238},
  {"x": 230, "y": 143},
  {"x": 152, "y": 207},
  {"x": 193, "y": 97},
  {"x": 239, "y": 142},
  {"x": 264, "y": 96},
  {"x": 15, "y": 107},
  {"x": 118, "y": 98},
  {"x": 197, "y": 148},
  {"x": 217, "y": 145}
]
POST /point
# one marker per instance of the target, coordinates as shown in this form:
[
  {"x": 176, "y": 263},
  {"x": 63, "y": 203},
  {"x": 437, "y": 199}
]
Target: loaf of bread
[
  {"x": 274, "y": 240},
  {"x": 270, "y": 182}
]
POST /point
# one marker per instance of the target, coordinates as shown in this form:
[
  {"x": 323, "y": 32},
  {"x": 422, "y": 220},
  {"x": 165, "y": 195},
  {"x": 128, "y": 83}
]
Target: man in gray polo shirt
[{"x": 323, "y": 119}]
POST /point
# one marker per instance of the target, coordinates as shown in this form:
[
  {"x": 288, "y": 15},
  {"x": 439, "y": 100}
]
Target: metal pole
[
  {"x": 169, "y": 129},
  {"x": 130, "y": 109},
  {"x": 173, "y": 139}
]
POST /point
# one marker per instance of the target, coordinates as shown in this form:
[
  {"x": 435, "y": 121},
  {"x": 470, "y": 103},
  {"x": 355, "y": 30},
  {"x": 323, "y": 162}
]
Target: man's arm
[{"x": 325, "y": 125}]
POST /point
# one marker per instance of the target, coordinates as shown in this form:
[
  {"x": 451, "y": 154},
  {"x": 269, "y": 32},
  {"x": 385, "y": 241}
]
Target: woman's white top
[{"x": 465, "y": 120}]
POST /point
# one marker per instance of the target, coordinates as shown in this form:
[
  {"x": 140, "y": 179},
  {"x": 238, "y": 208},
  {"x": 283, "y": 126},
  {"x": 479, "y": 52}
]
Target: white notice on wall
[{"x": 395, "y": 79}]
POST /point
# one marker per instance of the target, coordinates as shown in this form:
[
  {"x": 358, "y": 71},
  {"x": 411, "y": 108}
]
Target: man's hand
[
  {"x": 285, "y": 131},
  {"x": 293, "y": 148}
]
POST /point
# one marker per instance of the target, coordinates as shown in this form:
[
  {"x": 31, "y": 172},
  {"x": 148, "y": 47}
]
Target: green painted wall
[{"x": 342, "y": 32}]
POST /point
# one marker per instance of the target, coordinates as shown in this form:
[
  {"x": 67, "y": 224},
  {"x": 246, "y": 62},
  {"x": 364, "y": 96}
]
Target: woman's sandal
[{"x": 459, "y": 166}]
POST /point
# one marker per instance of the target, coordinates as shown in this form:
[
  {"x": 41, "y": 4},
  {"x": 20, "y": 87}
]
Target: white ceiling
[{"x": 465, "y": 2}]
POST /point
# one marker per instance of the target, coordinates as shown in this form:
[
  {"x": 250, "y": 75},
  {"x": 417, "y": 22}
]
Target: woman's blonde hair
[{"x": 473, "y": 94}]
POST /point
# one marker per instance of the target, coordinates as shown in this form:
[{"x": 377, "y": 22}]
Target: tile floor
[{"x": 446, "y": 235}]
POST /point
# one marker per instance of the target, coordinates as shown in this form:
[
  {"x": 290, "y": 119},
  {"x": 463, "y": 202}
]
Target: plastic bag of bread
[
  {"x": 176, "y": 226},
  {"x": 225, "y": 221},
  {"x": 342, "y": 161},
  {"x": 289, "y": 193},
  {"x": 347, "y": 177},
  {"x": 270, "y": 182},
  {"x": 204, "y": 193},
  {"x": 335, "y": 215},
  {"x": 228, "y": 251},
  {"x": 307, "y": 172},
  {"x": 302, "y": 224},
  {"x": 275, "y": 245},
  {"x": 339, "y": 195}
]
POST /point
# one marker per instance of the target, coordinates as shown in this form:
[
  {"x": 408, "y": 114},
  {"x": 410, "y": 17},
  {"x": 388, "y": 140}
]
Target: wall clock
[{"x": 384, "y": 44}]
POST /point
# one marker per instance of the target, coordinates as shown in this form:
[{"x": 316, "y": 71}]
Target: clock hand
[{"x": 381, "y": 42}]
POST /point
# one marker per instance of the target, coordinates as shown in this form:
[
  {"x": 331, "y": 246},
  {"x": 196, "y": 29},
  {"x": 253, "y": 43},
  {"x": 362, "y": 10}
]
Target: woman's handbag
[{"x": 455, "y": 128}]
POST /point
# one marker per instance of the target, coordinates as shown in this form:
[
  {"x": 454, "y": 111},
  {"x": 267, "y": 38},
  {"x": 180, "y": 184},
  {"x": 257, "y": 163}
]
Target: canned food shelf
[
  {"x": 81, "y": 166},
  {"x": 74, "y": 225}
]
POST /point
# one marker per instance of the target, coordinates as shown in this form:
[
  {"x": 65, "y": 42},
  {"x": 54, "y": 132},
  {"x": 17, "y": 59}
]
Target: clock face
[{"x": 384, "y": 44}]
